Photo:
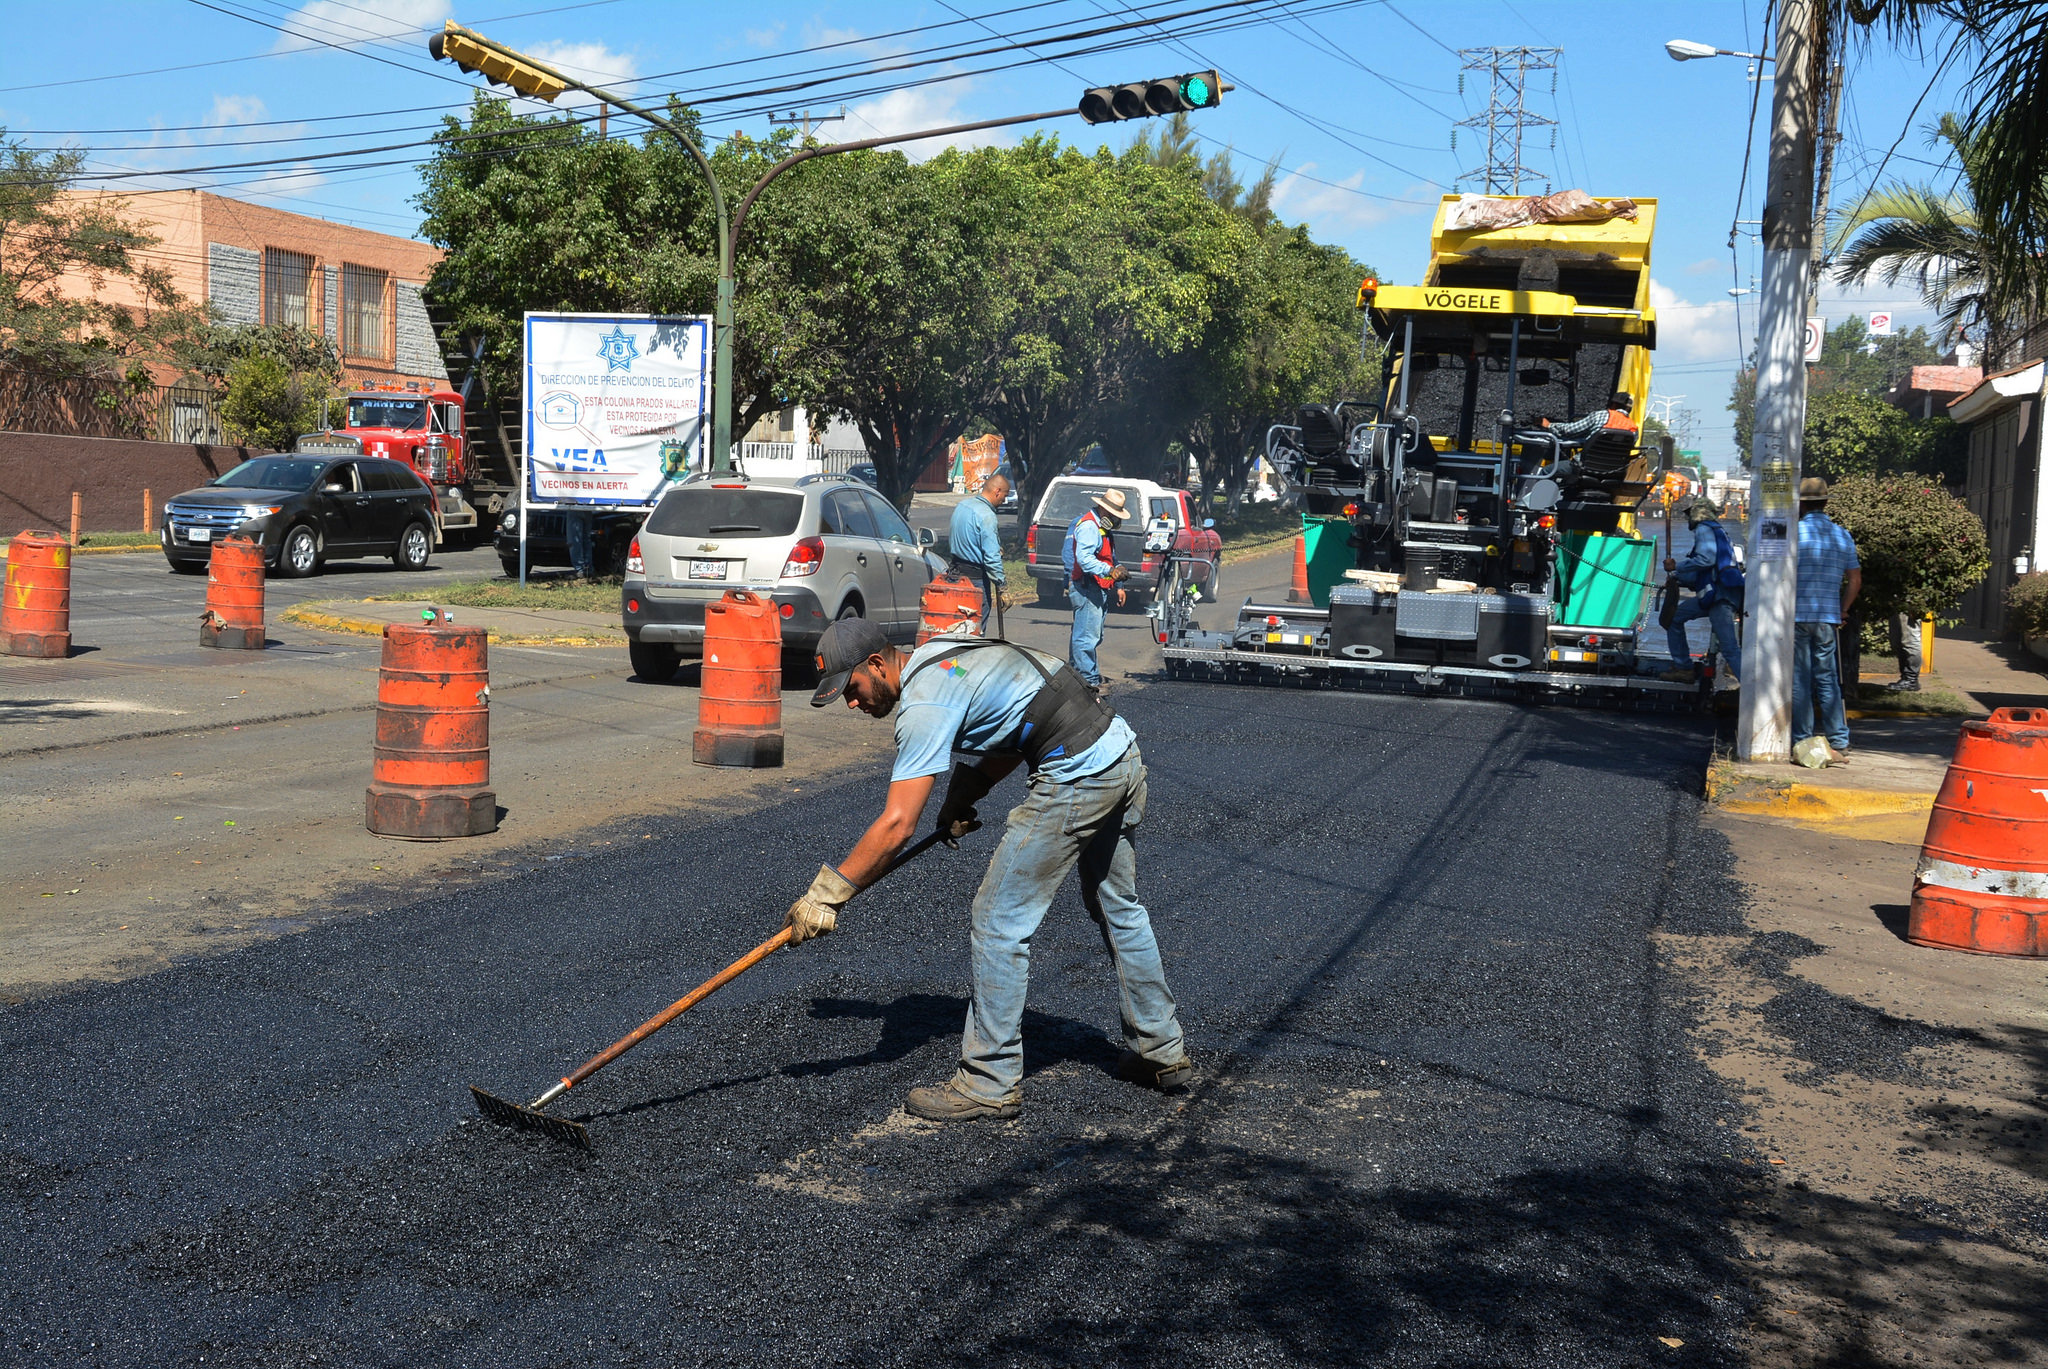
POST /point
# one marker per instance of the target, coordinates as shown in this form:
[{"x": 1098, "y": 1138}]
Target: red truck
[
  {"x": 422, "y": 426},
  {"x": 1069, "y": 496}
]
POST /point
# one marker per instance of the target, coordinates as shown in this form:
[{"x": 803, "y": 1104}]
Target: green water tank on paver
[
  {"x": 1330, "y": 554},
  {"x": 1607, "y": 580}
]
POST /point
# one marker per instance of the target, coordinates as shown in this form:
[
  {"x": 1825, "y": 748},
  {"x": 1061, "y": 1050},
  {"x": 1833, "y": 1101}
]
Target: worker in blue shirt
[
  {"x": 974, "y": 543},
  {"x": 1711, "y": 572},
  {"x": 1092, "y": 576},
  {"x": 1001, "y": 704},
  {"x": 1830, "y": 576}
]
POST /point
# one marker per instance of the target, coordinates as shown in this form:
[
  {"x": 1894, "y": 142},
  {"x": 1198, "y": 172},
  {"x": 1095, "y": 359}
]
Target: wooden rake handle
[{"x": 709, "y": 987}]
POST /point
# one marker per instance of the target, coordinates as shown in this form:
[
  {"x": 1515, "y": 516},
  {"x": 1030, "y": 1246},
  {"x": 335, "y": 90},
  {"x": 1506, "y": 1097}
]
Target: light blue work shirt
[
  {"x": 1084, "y": 548},
  {"x": 974, "y": 701},
  {"x": 1827, "y": 553},
  {"x": 972, "y": 536}
]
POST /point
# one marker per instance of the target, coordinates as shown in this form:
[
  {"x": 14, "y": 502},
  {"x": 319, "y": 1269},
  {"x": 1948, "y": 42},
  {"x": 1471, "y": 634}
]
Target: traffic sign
[
  {"x": 1881, "y": 325},
  {"x": 1816, "y": 333}
]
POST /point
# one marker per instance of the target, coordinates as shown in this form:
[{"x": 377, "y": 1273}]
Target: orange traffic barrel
[
  {"x": 739, "y": 707},
  {"x": 952, "y": 608},
  {"x": 432, "y": 775},
  {"x": 234, "y": 595},
  {"x": 1298, "y": 591},
  {"x": 35, "y": 608},
  {"x": 1982, "y": 881}
]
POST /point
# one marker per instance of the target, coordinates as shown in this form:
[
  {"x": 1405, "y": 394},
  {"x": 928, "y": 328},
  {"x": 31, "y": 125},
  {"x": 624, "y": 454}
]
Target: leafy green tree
[
  {"x": 1848, "y": 433},
  {"x": 212, "y": 350},
  {"x": 56, "y": 241},
  {"x": 1921, "y": 547},
  {"x": 1850, "y": 359},
  {"x": 267, "y": 404}
]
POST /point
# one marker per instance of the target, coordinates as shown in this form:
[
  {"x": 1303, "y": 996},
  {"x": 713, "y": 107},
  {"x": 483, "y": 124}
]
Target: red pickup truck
[{"x": 1069, "y": 496}]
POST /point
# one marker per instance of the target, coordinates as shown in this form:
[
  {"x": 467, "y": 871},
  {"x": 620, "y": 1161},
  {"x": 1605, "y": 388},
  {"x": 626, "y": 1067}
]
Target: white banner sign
[
  {"x": 603, "y": 393},
  {"x": 1880, "y": 325}
]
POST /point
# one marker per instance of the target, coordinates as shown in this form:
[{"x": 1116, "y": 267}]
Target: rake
[{"x": 531, "y": 1117}]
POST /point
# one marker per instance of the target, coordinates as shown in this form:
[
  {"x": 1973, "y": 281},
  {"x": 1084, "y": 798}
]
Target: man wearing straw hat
[
  {"x": 1092, "y": 576},
  {"x": 1830, "y": 578}
]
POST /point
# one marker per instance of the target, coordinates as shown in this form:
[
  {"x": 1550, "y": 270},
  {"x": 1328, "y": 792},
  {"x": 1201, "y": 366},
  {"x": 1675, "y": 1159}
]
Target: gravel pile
[{"x": 1447, "y": 1113}]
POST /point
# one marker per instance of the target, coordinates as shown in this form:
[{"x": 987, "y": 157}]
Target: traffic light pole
[{"x": 1764, "y": 723}]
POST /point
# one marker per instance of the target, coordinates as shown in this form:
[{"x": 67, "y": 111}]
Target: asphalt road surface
[{"x": 1447, "y": 1114}]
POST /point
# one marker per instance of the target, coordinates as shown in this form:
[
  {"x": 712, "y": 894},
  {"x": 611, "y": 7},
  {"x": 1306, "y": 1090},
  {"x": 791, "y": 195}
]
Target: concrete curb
[
  {"x": 1738, "y": 791},
  {"x": 317, "y": 615}
]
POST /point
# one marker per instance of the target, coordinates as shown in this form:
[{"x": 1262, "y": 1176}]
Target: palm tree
[{"x": 1940, "y": 241}]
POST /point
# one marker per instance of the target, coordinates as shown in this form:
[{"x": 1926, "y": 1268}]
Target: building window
[
  {"x": 363, "y": 331},
  {"x": 287, "y": 288}
]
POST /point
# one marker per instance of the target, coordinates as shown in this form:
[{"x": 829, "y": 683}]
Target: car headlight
[
  {"x": 259, "y": 510},
  {"x": 511, "y": 522}
]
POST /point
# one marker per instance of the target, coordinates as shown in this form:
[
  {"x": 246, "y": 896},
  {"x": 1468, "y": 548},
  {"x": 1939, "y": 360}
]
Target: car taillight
[
  {"x": 634, "y": 565},
  {"x": 1151, "y": 562},
  {"x": 1031, "y": 544},
  {"x": 805, "y": 557}
]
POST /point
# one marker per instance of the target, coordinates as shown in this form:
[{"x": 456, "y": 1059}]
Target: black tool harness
[{"x": 1063, "y": 719}]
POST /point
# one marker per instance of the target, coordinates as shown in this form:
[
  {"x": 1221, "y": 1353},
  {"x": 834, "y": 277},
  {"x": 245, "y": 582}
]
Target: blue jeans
[
  {"x": 1722, "y": 612},
  {"x": 1817, "y": 678},
  {"x": 1088, "y": 608},
  {"x": 1092, "y": 821}
]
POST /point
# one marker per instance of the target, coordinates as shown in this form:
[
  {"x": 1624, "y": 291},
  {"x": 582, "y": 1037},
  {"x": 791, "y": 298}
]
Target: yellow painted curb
[
  {"x": 309, "y": 616},
  {"x": 1814, "y": 803}
]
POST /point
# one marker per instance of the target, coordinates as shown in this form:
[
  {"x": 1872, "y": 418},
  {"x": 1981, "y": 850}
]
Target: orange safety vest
[{"x": 1617, "y": 420}]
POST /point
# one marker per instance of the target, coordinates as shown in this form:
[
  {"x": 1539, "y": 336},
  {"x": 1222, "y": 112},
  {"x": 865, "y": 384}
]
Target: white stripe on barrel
[{"x": 1982, "y": 879}]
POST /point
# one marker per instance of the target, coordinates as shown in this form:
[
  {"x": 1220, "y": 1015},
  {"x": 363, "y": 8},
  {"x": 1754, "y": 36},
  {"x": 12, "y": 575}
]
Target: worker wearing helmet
[
  {"x": 1615, "y": 416},
  {"x": 1000, "y": 704},
  {"x": 1712, "y": 573}
]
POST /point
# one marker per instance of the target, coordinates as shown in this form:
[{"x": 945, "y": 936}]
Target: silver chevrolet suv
[{"x": 821, "y": 547}]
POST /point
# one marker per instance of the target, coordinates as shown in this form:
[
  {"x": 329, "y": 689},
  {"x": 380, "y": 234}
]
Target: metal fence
[
  {"x": 830, "y": 461},
  {"x": 33, "y": 401}
]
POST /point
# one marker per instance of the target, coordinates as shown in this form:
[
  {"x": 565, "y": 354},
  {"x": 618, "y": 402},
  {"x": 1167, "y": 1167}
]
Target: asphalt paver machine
[{"x": 1448, "y": 537}]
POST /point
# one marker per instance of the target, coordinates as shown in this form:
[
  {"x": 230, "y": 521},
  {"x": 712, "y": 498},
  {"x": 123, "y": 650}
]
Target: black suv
[{"x": 305, "y": 509}]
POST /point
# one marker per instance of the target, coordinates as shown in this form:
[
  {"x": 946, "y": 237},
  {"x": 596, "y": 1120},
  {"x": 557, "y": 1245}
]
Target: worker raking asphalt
[{"x": 1444, "y": 1114}]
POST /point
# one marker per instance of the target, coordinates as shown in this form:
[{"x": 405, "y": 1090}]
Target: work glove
[
  {"x": 817, "y": 912},
  {"x": 966, "y": 788},
  {"x": 1119, "y": 573}
]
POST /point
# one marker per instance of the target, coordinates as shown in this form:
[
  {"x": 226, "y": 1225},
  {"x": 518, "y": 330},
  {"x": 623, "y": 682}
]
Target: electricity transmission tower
[{"x": 1502, "y": 124}]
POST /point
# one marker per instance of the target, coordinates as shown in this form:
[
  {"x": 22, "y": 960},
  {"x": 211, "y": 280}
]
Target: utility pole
[
  {"x": 1764, "y": 725},
  {"x": 1506, "y": 116},
  {"x": 807, "y": 119},
  {"x": 1830, "y": 115}
]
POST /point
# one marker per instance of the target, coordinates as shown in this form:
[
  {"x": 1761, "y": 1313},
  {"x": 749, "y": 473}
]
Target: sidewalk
[
  {"x": 1896, "y": 761},
  {"x": 509, "y": 626}
]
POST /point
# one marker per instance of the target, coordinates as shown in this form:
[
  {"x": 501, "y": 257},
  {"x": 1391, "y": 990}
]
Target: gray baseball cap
[{"x": 845, "y": 645}]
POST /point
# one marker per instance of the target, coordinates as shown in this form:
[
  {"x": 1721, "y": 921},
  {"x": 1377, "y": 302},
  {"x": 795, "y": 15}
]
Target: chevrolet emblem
[{"x": 707, "y": 546}]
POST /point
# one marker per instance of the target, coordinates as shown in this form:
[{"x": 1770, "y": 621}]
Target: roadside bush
[
  {"x": 1921, "y": 547},
  {"x": 269, "y": 406},
  {"x": 2026, "y": 605}
]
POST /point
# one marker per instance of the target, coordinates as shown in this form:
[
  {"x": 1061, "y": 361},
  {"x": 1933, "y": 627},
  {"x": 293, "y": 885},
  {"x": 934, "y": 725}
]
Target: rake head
[{"x": 526, "y": 1119}]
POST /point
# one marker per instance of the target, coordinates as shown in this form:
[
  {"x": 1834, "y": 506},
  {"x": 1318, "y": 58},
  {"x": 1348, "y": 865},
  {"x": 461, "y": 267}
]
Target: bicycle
[{"x": 1185, "y": 580}]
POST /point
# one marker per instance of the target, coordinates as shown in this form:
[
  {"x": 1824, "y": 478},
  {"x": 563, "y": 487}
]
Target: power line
[{"x": 1506, "y": 116}]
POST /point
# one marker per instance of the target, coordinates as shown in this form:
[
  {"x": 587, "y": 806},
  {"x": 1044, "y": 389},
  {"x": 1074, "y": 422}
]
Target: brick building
[{"x": 258, "y": 265}]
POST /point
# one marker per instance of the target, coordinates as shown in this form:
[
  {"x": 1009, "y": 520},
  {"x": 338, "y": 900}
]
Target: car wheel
[
  {"x": 849, "y": 609},
  {"x": 654, "y": 662},
  {"x": 415, "y": 547},
  {"x": 510, "y": 565},
  {"x": 300, "y": 554},
  {"x": 186, "y": 567}
]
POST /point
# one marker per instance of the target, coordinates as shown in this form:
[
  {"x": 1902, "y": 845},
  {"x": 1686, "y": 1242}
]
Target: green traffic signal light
[{"x": 1199, "y": 90}]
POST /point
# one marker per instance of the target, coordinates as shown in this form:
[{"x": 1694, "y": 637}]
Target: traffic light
[
  {"x": 1143, "y": 99},
  {"x": 458, "y": 45}
]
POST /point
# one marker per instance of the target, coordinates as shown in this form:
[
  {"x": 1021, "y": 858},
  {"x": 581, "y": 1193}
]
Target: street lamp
[
  {"x": 1685, "y": 50},
  {"x": 505, "y": 66}
]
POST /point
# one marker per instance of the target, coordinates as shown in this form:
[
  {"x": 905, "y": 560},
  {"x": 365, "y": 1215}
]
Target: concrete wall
[
  {"x": 38, "y": 472},
  {"x": 234, "y": 283}
]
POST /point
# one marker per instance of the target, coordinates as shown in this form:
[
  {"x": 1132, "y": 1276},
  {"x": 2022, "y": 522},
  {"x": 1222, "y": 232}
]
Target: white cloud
[
  {"x": 1695, "y": 332},
  {"x": 1704, "y": 265},
  {"x": 1334, "y": 209},
  {"x": 903, "y": 111},
  {"x": 764, "y": 37},
  {"x": 362, "y": 21}
]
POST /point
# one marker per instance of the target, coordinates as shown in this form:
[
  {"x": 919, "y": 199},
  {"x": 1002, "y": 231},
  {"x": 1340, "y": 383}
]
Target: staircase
[{"x": 493, "y": 425}]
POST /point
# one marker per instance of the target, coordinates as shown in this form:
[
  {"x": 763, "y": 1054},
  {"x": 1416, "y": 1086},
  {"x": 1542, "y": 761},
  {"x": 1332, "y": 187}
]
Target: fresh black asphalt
[{"x": 1447, "y": 1112}]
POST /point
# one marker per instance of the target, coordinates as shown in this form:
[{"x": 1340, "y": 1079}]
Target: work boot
[
  {"x": 1134, "y": 1068},
  {"x": 1681, "y": 675},
  {"x": 946, "y": 1103},
  {"x": 1905, "y": 684}
]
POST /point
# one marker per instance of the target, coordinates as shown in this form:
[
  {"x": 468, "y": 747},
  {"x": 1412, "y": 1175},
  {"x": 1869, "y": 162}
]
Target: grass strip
[
  {"x": 587, "y": 596},
  {"x": 94, "y": 542}
]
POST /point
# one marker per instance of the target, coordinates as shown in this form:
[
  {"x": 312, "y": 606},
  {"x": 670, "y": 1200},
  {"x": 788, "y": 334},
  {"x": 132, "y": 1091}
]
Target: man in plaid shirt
[{"x": 1830, "y": 577}]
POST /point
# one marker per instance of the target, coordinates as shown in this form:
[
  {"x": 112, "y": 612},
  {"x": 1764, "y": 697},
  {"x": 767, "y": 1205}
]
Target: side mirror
[
  {"x": 1208, "y": 523},
  {"x": 927, "y": 538}
]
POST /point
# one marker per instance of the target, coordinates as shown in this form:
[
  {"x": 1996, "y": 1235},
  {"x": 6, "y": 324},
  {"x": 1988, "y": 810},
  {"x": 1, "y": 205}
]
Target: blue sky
[{"x": 1356, "y": 100}]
